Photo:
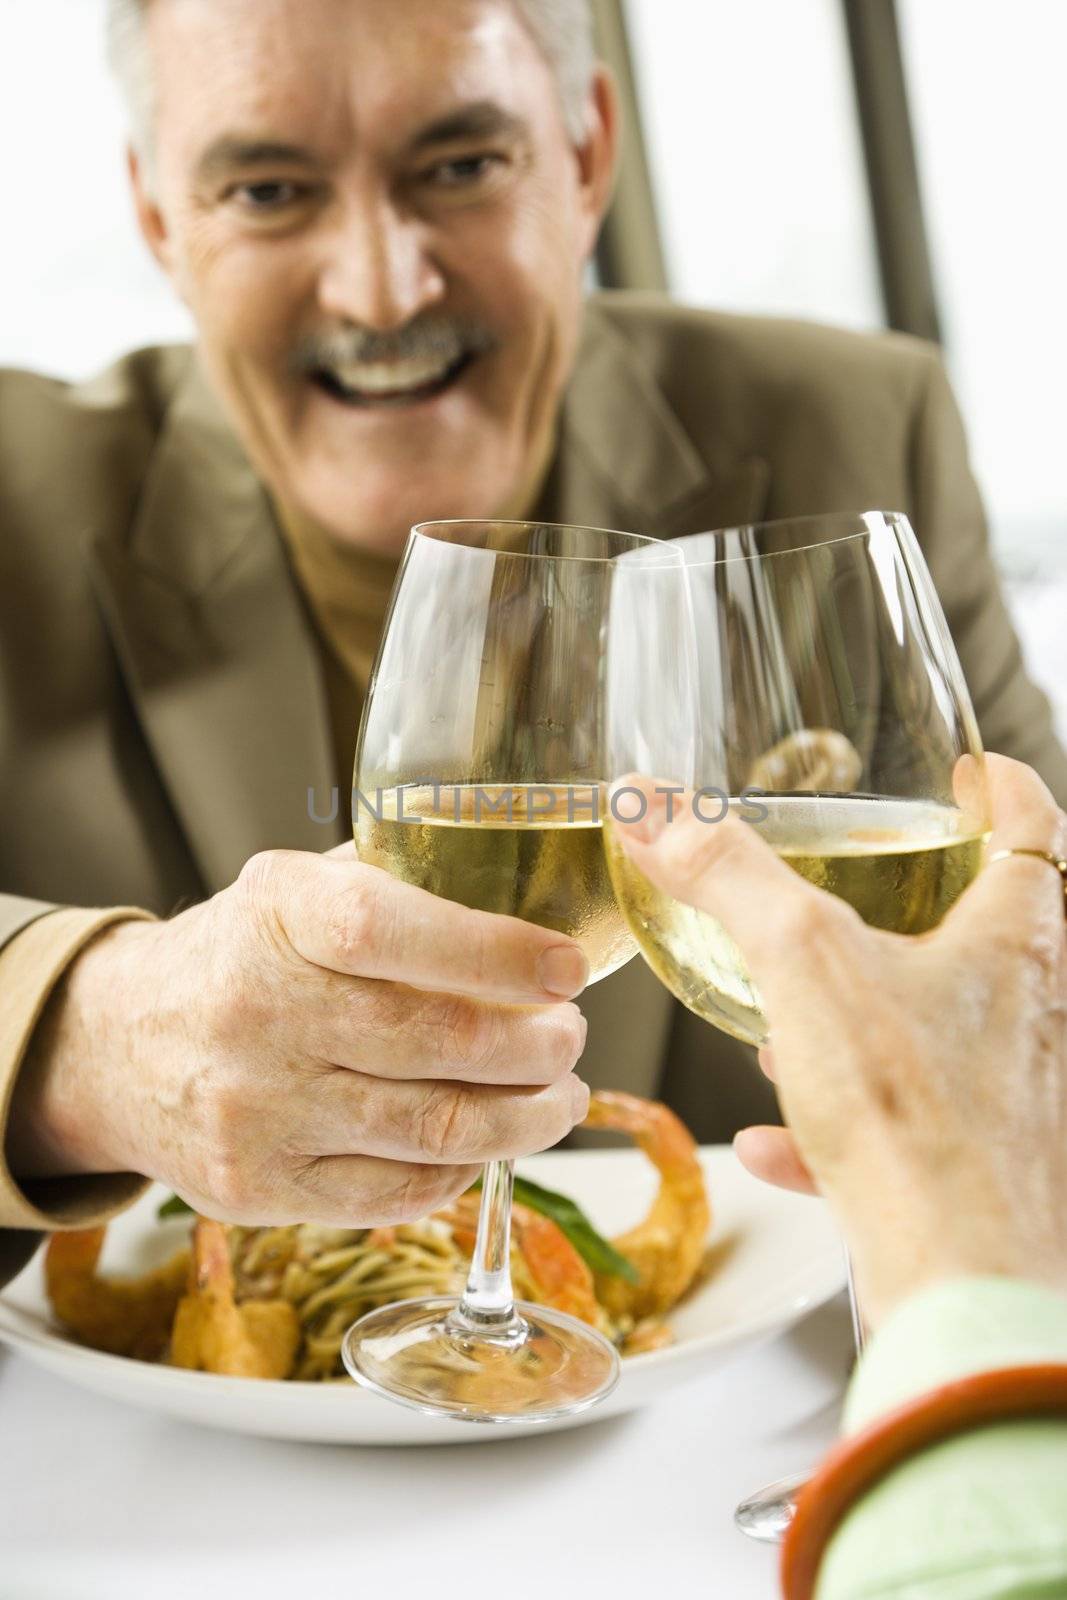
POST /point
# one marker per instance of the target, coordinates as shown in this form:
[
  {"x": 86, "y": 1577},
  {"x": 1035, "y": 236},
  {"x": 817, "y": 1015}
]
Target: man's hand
[
  {"x": 319, "y": 1042},
  {"x": 924, "y": 1079}
]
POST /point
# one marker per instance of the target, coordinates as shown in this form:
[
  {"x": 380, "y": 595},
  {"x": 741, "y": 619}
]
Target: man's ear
[
  {"x": 598, "y": 157},
  {"x": 150, "y": 218}
]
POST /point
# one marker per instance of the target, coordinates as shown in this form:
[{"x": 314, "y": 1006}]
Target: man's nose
[{"x": 380, "y": 272}]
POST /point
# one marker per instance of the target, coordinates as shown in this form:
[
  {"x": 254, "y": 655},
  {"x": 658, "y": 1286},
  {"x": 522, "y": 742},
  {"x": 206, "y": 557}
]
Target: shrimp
[
  {"x": 123, "y": 1316},
  {"x": 810, "y": 758},
  {"x": 560, "y": 1277},
  {"x": 651, "y": 1334},
  {"x": 212, "y": 1333},
  {"x": 668, "y": 1246}
]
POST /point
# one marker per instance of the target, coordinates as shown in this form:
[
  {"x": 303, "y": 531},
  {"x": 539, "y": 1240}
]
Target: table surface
[{"x": 101, "y": 1501}]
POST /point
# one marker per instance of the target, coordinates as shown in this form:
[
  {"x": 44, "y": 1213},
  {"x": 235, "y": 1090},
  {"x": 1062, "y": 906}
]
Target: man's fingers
[
  {"x": 367, "y": 1192},
  {"x": 771, "y": 1154},
  {"x": 446, "y": 1124},
  {"x": 766, "y": 1062},
  {"x": 392, "y": 1031},
  {"x": 354, "y": 918}
]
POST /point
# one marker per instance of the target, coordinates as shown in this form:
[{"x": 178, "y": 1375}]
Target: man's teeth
[{"x": 391, "y": 377}]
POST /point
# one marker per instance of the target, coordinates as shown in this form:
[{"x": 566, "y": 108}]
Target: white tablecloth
[{"x": 99, "y": 1501}]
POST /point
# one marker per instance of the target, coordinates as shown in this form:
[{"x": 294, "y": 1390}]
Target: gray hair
[{"x": 561, "y": 29}]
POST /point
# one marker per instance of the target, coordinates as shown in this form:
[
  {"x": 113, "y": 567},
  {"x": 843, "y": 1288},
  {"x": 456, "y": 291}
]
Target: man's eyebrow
[
  {"x": 237, "y": 151},
  {"x": 482, "y": 119}
]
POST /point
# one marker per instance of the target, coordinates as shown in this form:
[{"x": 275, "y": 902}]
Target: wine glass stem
[
  {"x": 858, "y": 1331},
  {"x": 487, "y": 1301}
]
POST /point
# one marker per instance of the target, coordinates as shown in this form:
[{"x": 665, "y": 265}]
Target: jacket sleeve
[
  {"x": 16, "y": 914},
  {"x": 1014, "y": 716},
  {"x": 40, "y": 944},
  {"x": 983, "y": 1515}
]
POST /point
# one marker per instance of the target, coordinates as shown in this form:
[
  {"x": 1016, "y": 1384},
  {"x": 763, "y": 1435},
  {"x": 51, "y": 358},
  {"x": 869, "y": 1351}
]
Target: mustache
[{"x": 444, "y": 339}]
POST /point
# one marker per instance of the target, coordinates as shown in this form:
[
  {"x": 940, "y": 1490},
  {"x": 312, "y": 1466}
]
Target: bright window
[
  {"x": 990, "y": 115},
  {"x": 756, "y": 156}
]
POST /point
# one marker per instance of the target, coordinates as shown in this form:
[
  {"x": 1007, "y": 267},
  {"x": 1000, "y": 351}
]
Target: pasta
[{"x": 275, "y": 1302}]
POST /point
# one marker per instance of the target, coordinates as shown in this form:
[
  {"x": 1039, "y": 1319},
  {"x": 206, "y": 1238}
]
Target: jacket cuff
[{"x": 31, "y": 965}]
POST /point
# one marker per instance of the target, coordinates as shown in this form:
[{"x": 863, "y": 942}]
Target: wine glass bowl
[
  {"x": 479, "y": 775},
  {"x": 816, "y": 694}
]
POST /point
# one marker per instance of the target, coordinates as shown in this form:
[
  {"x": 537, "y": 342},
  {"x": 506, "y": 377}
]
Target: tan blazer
[{"x": 162, "y": 714}]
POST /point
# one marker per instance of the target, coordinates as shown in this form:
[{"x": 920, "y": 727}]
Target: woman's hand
[{"x": 924, "y": 1078}]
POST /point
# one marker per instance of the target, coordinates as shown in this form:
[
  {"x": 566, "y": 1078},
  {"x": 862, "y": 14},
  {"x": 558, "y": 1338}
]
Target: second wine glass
[
  {"x": 479, "y": 774},
  {"x": 800, "y": 674}
]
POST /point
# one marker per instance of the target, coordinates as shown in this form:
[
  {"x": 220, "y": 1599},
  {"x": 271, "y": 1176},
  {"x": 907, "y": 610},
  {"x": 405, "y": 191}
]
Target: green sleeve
[{"x": 982, "y": 1516}]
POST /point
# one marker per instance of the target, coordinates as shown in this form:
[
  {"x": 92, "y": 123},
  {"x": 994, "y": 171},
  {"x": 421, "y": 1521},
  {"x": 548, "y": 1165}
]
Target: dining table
[{"x": 100, "y": 1500}]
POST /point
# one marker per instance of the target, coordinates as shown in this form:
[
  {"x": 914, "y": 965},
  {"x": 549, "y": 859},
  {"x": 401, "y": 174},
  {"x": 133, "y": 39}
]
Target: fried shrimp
[
  {"x": 667, "y": 1248},
  {"x": 560, "y": 1277},
  {"x": 212, "y": 1333},
  {"x": 275, "y": 1302},
  {"x": 124, "y": 1316},
  {"x": 811, "y": 758}
]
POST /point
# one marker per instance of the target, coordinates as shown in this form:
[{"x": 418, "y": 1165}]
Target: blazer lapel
[
  {"x": 625, "y": 461},
  {"x": 211, "y": 634},
  {"x": 217, "y": 653}
]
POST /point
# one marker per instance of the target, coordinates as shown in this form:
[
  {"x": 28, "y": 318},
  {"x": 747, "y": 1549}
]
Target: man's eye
[
  {"x": 464, "y": 171},
  {"x": 267, "y": 196}
]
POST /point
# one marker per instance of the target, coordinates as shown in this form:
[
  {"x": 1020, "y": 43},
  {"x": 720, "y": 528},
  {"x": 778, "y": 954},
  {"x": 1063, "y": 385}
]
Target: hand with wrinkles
[
  {"x": 318, "y": 1042},
  {"x": 923, "y": 1079}
]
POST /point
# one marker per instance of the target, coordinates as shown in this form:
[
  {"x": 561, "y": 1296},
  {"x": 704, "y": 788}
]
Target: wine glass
[
  {"x": 800, "y": 674},
  {"x": 478, "y": 777}
]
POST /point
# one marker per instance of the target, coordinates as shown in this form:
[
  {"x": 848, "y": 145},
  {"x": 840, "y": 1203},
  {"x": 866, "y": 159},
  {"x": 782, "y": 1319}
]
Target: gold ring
[{"x": 1038, "y": 855}]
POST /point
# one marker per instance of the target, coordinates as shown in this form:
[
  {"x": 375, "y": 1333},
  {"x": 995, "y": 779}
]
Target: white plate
[{"x": 778, "y": 1256}]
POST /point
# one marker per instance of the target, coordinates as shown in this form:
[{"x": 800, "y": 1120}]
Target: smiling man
[
  {"x": 378, "y": 217},
  {"x": 380, "y": 214}
]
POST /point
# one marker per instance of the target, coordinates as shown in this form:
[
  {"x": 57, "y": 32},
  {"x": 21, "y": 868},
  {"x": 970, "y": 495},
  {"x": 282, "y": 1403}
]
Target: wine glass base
[
  {"x": 766, "y": 1515},
  {"x": 540, "y": 1366}
]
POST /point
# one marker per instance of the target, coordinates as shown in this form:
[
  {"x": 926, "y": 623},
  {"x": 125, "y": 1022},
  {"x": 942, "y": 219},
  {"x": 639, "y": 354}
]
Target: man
[{"x": 380, "y": 217}]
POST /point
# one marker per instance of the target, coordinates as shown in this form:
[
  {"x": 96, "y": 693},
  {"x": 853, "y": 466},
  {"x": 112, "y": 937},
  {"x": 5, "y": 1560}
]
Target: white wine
[
  {"x": 522, "y": 850},
  {"x": 901, "y": 864}
]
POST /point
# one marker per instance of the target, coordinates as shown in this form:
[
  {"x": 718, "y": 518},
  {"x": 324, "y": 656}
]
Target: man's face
[{"x": 375, "y": 214}]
